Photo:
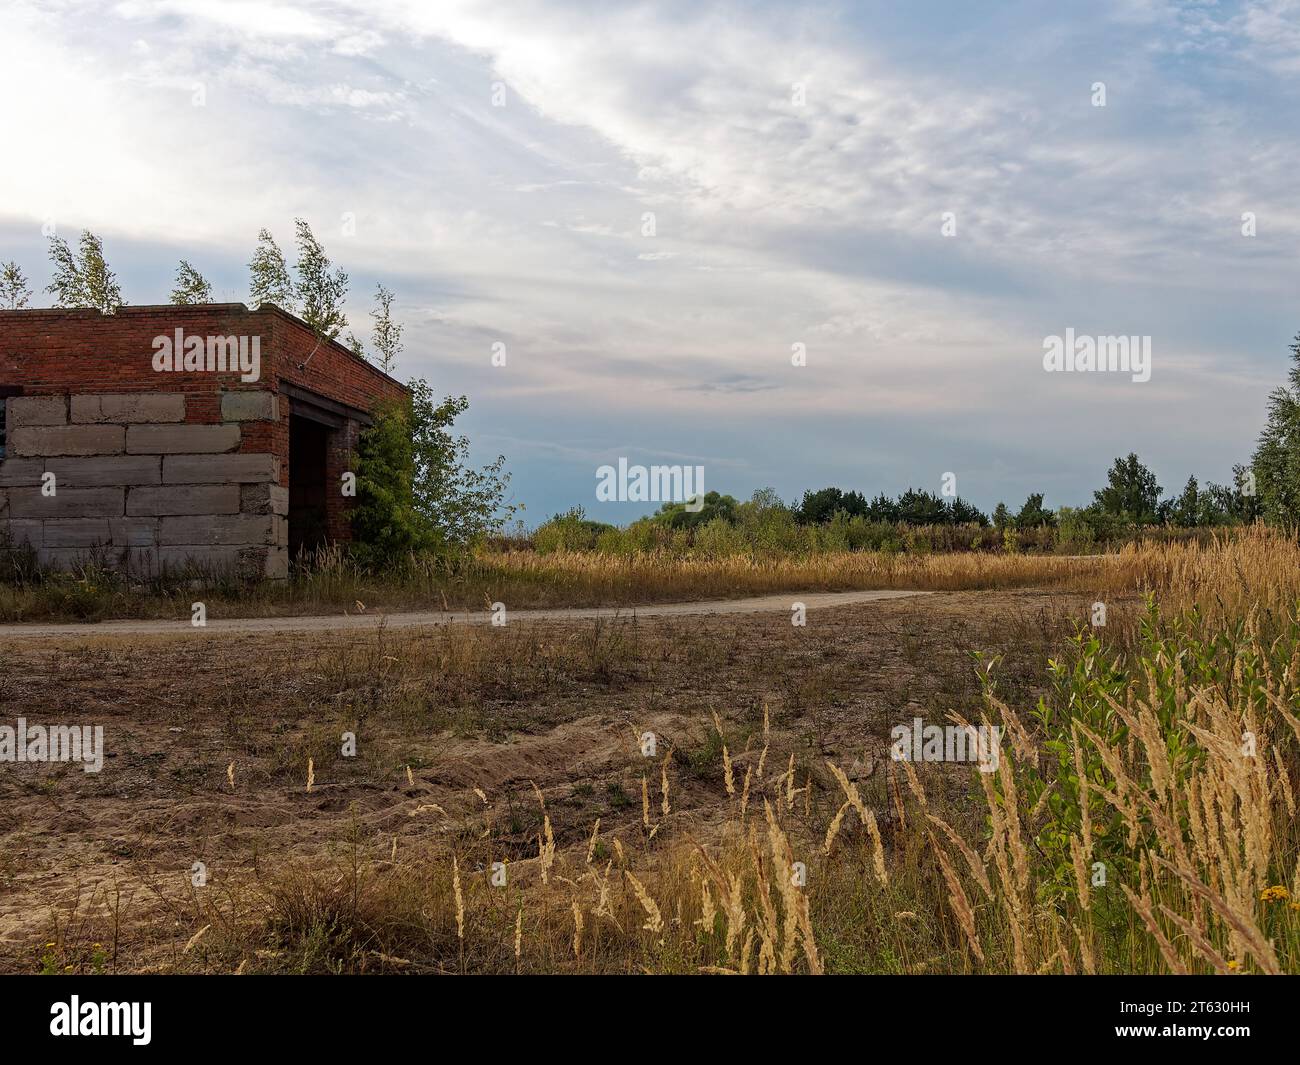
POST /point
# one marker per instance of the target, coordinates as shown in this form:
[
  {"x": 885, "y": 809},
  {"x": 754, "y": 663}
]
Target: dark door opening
[{"x": 308, "y": 442}]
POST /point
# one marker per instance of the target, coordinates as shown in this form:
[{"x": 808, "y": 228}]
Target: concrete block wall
[{"x": 127, "y": 479}]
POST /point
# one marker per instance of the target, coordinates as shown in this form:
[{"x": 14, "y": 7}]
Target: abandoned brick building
[{"x": 161, "y": 438}]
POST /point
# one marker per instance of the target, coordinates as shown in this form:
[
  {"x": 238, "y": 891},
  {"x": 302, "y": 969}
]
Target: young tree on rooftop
[
  {"x": 83, "y": 279},
  {"x": 191, "y": 287},
  {"x": 321, "y": 289},
  {"x": 387, "y": 334},
  {"x": 15, "y": 293},
  {"x": 268, "y": 275}
]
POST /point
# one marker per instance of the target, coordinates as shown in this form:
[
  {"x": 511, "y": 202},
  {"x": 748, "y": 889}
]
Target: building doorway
[{"x": 308, "y": 523}]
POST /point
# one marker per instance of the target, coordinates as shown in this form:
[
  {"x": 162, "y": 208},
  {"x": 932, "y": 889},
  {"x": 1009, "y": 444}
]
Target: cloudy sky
[{"x": 503, "y": 162}]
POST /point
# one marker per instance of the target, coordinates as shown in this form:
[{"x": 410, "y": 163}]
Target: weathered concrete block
[
  {"x": 129, "y": 407},
  {"x": 68, "y": 440},
  {"x": 211, "y": 529},
  {"x": 250, "y": 406},
  {"x": 68, "y": 503},
  {"x": 68, "y": 557},
  {"x": 78, "y": 532},
  {"x": 183, "y": 499},
  {"x": 113, "y": 470},
  {"x": 181, "y": 439},
  {"x": 100, "y": 532},
  {"x": 134, "y": 532},
  {"x": 264, "y": 499},
  {"x": 36, "y": 410},
  {"x": 21, "y": 472},
  {"x": 247, "y": 563},
  {"x": 220, "y": 469},
  {"x": 277, "y": 564},
  {"x": 60, "y": 558},
  {"x": 22, "y": 533}
]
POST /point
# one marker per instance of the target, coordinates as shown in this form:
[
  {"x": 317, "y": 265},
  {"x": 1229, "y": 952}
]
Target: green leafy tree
[
  {"x": 15, "y": 293},
  {"x": 1073, "y": 531},
  {"x": 83, "y": 279},
  {"x": 1246, "y": 504},
  {"x": 386, "y": 524},
  {"x": 1186, "y": 509},
  {"x": 918, "y": 507},
  {"x": 460, "y": 504},
  {"x": 713, "y": 505},
  {"x": 962, "y": 513},
  {"x": 1276, "y": 463},
  {"x": 320, "y": 289},
  {"x": 1131, "y": 492},
  {"x": 884, "y": 509},
  {"x": 570, "y": 531},
  {"x": 387, "y": 334},
  {"x": 416, "y": 491},
  {"x": 1033, "y": 514},
  {"x": 191, "y": 287},
  {"x": 1001, "y": 517},
  {"x": 767, "y": 522},
  {"x": 818, "y": 507},
  {"x": 1217, "y": 504},
  {"x": 268, "y": 275}
]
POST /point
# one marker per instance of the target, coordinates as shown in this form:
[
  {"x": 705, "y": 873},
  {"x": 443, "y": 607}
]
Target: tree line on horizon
[{"x": 1131, "y": 498}]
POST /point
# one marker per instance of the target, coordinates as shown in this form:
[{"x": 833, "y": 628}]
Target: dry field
[{"x": 769, "y": 830}]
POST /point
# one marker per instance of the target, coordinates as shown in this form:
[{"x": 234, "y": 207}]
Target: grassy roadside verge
[{"x": 524, "y": 579}]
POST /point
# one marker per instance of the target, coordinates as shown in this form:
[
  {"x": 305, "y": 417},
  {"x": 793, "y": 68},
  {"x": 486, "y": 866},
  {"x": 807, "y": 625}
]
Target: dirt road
[{"x": 359, "y": 621}]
